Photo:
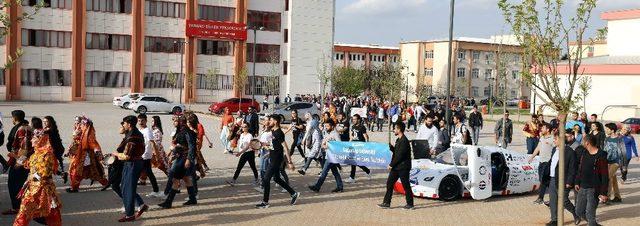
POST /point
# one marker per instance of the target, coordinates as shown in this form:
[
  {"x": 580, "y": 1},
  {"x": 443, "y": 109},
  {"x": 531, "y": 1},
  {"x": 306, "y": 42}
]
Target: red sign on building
[{"x": 216, "y": 30}]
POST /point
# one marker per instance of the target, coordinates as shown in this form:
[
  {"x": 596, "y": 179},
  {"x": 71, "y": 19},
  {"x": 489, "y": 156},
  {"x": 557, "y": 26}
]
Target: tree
[
  {"x": 7, "y": 22},
  {"x": 240, "y": 82},
  {"x": 324, "y": 73},
  {"x": 172, "y": 80},
  {"x": 348, "y": 80},
  {"x": 543, "y": 35},
  {"x": 272, "y": 81},
  {"x": 584, "y": 86},
  {"x": 190, "y": 82},
  {"x": 387, "y": 81},
  {"x": 212, "y": 79}
]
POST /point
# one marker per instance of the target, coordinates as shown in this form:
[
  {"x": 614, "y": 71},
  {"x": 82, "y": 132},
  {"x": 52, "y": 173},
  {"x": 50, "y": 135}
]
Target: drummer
[{"x": 246, "y": 154}]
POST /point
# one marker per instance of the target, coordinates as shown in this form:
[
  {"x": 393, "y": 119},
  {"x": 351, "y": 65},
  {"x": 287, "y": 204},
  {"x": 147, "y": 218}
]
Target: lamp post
[
  {"x": 181, "y": 43},
  {"x": 406, "y": 91},
  {"x": 448, "y": 114},
  {"x": 490, "y": 99},
  {"x": 253, "y": 57}
]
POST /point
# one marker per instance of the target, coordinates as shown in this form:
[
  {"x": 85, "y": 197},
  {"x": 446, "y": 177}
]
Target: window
[
  {"x": 162, "y": 45},
  {"x": 264, "y": 53},
  {"x": 213, "y": 47},
  {"x": 428, "y": 71},
  {"x": 461, "y": 72},
  {"x": 428, "y": 54},
  {"x": 488, "y": 73},
  {"x": 109, "y": 6},
  {"x": 286, "y": 5},
  {"x": 163, "y": 80},
  {"x": 476, "y": 56},
  {"x": 475, "y": 91},
  {"x": 264, "y": 85},
  {"x": 516, "y": 58},
  {"x": 107, "y": 79},
  {"x": 164, "y": 9},
  {"x": 216, "y": 13},
  {"x": 462, "y": 54},
  {"x": 286, "y": 35},
  {"x": 285, "y": 67},
  {"x": 514, "y": 74},
  {"x": 475, "y": 73},
  {"x": 214, "y": 82},
  {"x": 54, "y": 4},
  {"x": 38, "y": 77},
  {"x": 269, "y": 20},
  {"x": 514, "y": 93},
  {"x": 44, "y": 38},
  {"x": 488, "y": 57},
  {"x": 2, "y": 76},
  {"x": 108, "y": 41},
  {"x": 487, "y": 91}
]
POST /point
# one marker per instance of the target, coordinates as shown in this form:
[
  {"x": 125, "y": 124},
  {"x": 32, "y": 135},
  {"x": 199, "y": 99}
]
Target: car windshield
[{"x": 459, "y": 156}]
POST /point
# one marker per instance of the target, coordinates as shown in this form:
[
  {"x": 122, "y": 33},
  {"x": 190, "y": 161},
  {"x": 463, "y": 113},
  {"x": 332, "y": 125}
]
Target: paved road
[{"x": 221, "y": 204}]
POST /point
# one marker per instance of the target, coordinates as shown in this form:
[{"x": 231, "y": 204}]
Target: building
[
  {"x": 590, "y": 48},
  {"x": 615, "y": 77},
  {"x": 364, "y": 56},
  {"x": 95, "y": 49},
  {"x": 474, "y": 67}
]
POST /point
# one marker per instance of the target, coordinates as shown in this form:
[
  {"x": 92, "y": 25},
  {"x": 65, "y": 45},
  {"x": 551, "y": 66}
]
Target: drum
[
  {"x": 109, "y": 159},
  {"x": 255, "y": 144}
]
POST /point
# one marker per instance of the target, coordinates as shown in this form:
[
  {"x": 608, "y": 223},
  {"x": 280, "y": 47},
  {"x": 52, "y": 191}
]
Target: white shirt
[
  {"x": 554, "y": 163},
  {"x": 546, "y": 147},
  {"x": 457, "y": 134},
  {"x": 245, "y": 139},
  {"x": 419, "y": 110},
  {"x": 148, "y": 137},
  {"x": 431, "y": 135}
]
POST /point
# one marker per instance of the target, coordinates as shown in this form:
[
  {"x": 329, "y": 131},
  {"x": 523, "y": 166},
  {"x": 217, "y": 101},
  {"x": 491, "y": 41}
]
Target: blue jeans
[
  {"x": 130, "y": 175},
  {"x": 532, "y": 143},
  {"x": 325, "y": 171}
]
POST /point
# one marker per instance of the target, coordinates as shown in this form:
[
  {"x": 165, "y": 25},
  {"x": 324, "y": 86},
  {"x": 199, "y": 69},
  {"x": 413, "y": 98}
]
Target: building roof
[
  {"x": 604, "y": 65},
  {"x": 370, "y": 49},
  {"x": 611, "y": 60},
  {"x": 371, "y": 46},
  {"x": 621, "y": 14},
  {"x": 493, "y": 40}
]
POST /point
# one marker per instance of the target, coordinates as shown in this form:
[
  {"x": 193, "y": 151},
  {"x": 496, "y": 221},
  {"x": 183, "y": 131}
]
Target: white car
[
  {"x": 472, "y": 171},
  {"x": 124, "y": 100},
  {"x": 284, "y": 110},
  {"x": 155, "y": 104}
]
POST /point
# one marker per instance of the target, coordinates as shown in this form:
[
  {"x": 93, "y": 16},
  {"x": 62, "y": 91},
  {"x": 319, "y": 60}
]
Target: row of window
[
  {"x": 214, "y": 47},
  {"x": 217, "y": 13},
  {"x": 265, "y": 53},
  {"x": 475, "y": 73},
  {"x": 38, "y": 77},
  {"x": 42, "y": 38},
  {"x": 163, "y": 80},
  {"x": 54, "y": 4},
  {"x": 108, "y": 41},
  {"x": 109, "y": 6},
  {"x": 264, "y": 85},
  {"x": 164, "y": 9},
  {"x": 214, "y": 82},
  {"x": 107, "y": 79},
  {"x": 162, "y": 44},
  {"x": 269, "y": 21},
  {"x": 487, "y": 92}
]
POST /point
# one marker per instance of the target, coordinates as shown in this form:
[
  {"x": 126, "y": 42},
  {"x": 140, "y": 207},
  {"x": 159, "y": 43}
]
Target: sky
[{"x": 388, "y": 22}]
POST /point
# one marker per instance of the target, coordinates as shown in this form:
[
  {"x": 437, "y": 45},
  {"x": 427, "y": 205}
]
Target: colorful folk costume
[
  {"x": 39, "y": 198},
  {"x": 159, "y": 159},
  {"x": 85, "y": 155},
  {"x": 20, "y": 148}
]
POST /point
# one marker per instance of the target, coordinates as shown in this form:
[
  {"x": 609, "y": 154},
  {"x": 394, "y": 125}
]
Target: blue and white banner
[{"x": 369, "y": 154}]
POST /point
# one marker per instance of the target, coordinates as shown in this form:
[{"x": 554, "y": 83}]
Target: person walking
[
  {"x": 531, "y": 131},
  {"x": 544, "y": 149},
  {"x": 592, "y": 180},
  {"x": 314, "y": 151},
  {"x": 503, "y": 140},
  {"x": 86, "y": 155},
  {"x": 51, "y": 129},
  {"x": 616, "y": 154},
  {"x": 277, "y": 156},
  {"x": 246, "y": 154},
  {"x": 19, "y": 147},
  {"x": 358, "y": 134},
  {"x": 149, "y": 142},
  {"x": 297, "y": 129},
  {"x": 570, "y": 164},
  {"x": 225, "y": 123},
  {"x": 597, "y": 130},
  {"x": 330, "y": 135},
  {"x": 476, "y": 123},
  {"x": 460, "y": 132},
  {"x": 399, "y": 168},
  {"x": 133, "y": 166},
  {"x": 630, "y": 144},
  {"x": 429, "y": 133},
  {"x": 253, "y": 121}
]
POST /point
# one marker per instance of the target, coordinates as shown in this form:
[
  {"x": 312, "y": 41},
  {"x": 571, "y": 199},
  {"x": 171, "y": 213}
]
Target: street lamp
[
  {"x": 406, "y": 91},
  {"x": 181, "y": 43},
  {"x": 448, "y": 107},
  {"x": 253, "y": 57}
]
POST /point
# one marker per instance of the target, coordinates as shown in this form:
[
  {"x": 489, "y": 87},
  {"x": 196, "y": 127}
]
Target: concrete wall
[{"x": 621, "y": 35}]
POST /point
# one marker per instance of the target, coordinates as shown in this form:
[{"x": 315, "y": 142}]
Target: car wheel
[
  {"x": 176, "y": 110},
  {"x": 125, "y": 105},
  {"x": 449, "y": 189},
  {"x": 142, "y": 110}
]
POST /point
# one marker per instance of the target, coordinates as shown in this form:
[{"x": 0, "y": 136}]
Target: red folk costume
[
  {"x": 39, "y": 197},
  {"x": 85, "y": 156}
]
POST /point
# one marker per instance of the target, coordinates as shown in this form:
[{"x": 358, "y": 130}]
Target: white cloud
[{"x": 380, "y": 7}]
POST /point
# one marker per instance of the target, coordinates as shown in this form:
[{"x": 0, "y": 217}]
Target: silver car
[
  {"x": 284, "y": 110},
  {"x": 155, "y": 104}
]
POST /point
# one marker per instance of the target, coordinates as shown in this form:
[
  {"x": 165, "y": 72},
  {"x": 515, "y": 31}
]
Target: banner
[
  {"x": 359, "y": 111},
  {"x": 369, "y": 154},
  {"x": 216, "y": 30}
]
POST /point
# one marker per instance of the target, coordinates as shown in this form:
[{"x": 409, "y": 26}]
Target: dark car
[
  {"x": 632, "y": 123},
  {"x": 496, "y": 101},
  {"x": 234, "y": 105}
]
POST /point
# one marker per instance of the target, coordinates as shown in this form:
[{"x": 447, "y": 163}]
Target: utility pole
[
  {"x": 448, "y": 114},
  {"x": 181, "y": 43},
  {"x": 253, "y": 57}
]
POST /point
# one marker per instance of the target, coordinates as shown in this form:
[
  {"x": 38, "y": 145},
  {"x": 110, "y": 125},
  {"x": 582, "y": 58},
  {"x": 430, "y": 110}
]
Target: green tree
[
  {"x": 348, "y": 80},
  {"x": 240, "y": 82},
  {"x": 212, "y": 79},
  {"x": 5, "y": 30},
  {"x": 543, "y": 35},
  {"x": 172, "y": 81},
  {"x": 324, "y": 74}
]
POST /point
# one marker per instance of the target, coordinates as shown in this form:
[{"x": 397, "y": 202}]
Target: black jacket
[
  {"x": 253, "y": 121},
  {"x": 475, "y": 119},
  {"x": 570, "y": 165},
  {"x": 401, "y": 159}
]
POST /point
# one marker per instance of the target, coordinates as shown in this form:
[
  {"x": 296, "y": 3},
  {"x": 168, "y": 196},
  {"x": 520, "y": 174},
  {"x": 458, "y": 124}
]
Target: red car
[
  {"x": 633, "y": 123},
  {"x": 234, "y": 104}
]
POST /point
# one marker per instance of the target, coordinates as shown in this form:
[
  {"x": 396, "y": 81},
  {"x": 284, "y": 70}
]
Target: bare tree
[
  {"x": 543, "y": 35},
  {"x": 212, "y": 79},
  {"x": 240, "y": 82},
  {"x": 172, "y": 81},
  {"x": 324, "y": 73},
  {"x": 272, "y": 81}
]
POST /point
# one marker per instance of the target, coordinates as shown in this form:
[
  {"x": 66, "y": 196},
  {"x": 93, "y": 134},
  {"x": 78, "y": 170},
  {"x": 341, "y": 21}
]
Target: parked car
[
  {"x": 234, "y": 104},
  {"x": 149, "y": 103},
  {"x": 478, "y": 172},
  {"x": 513, "y": 102},
  {"x": 124, "y": 100},
  {"x": 633, "y": 123},
  {"x": 284, "y": 110},
  {"x": 496, "y": 101}
]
